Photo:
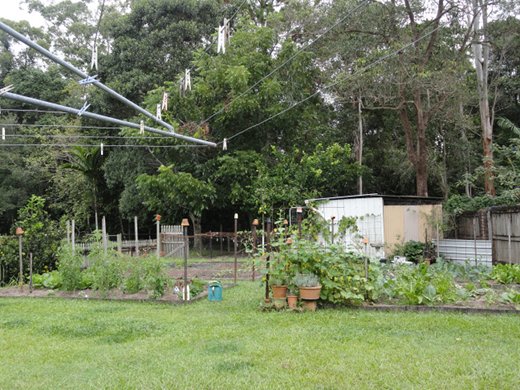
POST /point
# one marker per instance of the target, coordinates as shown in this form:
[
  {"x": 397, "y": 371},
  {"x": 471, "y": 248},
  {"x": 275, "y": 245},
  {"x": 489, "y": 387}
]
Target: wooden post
[
  {"x": 30, "y": 273},
  {"x": 299, "y": 214},
  {"x": 68, "y": 232},
  {"x": 255, "y": 224},
  {"x": 437, "y": 233},
  {"x": 73, "y": 236},
  {"x": 509, "y": 237},
  {"x": 158, "y": 237},
  {"x": 267, "y": 265},
  {"x": 235, "y": 239},
  {"x": 120, "y": 243},
  {"x": 104, "y": 233},
  {"x": 136, "y": 230},
  {"x": 20, "y": 245}
]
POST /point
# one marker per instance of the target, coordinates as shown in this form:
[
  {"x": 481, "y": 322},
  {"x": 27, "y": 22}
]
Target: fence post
[
  {"x": 19, "y": 233},
  {"x": 299, "y": 212},
  {"x": 120, "y": 243},
  {"x": 68, "y": 232},
  {"x": 136, "y": 230},
  {"x": 332, "y": 227},
  {"x": 221, "y": 240}
]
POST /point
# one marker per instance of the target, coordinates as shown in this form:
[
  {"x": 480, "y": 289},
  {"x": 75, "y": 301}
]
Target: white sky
[{"x": 10, "y": 9}]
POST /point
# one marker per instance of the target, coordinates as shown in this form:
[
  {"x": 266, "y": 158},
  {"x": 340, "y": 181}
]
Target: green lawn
[{"x": 59, "y": 344}]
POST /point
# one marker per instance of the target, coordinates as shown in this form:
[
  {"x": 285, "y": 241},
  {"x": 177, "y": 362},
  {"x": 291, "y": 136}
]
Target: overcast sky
[{"x": 11, "y": 10}]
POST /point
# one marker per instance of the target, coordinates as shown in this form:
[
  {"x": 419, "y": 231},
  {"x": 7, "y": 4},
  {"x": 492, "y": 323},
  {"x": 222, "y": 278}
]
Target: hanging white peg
[
  {"x": 164, "y": 106},
  {"x": 158, "y": 114},
  {"x": 224, "y": 33},
  {"x": 83, "y": 109},
  {"x": 224, "y": 144},
  {"x": 141, "y": 128},
  {"x": 3, "y": 133},
  {"x": 101, "y": 148},
  {"x": 94, "y": 62},
  {"x": 187, "y": 80}
]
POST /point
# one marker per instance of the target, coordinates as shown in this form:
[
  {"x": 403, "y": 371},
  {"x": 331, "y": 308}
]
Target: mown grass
[{"x": 53, "y": 343}]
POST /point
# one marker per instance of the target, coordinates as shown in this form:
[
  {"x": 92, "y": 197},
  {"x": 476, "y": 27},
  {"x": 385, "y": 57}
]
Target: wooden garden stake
[
  {"x": 158, "y": 223},
  {"x": 255, "y": 224},
  {"x": 30, "y": 272},
  {"x": 73, "y": 233},
  {"x": 268, "y": 247},
  {"x": 19, "y": 233},
  {"x": 235, "y": 265},
  {"x": 104, "y": 233},
  {"x": 136, "y": 230}
]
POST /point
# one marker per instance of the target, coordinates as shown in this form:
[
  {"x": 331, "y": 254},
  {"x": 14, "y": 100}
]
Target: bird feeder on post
[
  {"x": 19, "y": 233},
  {"x": 185, "y": 224}
]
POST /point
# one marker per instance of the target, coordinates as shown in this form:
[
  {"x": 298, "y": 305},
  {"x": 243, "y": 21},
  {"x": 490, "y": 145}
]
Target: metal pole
[
  {"x": 81, "y": 74},
  {"x": 20, "y": 245},
  {"x": 185, "y": 225},
  {"x": 136, "y": 231},
  {"x": 235, "y": 266},
  {"x": 332, "y": 227},
  {"x": 267, "y": 265},
  {"x": 86, "y": 114}
]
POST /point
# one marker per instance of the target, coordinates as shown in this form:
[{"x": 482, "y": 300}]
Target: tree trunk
[
  {"x": 197, "y": 230},
  {"x": 481, "y": 57}
]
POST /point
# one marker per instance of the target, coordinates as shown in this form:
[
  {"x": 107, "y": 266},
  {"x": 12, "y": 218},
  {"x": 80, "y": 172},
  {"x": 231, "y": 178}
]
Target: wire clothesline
[
  {"x": 304, "y": 47},
  {"x": 84, "y": 136},
  {"x": 339, "y": 80},
  {"x": 104, "y": 145}
]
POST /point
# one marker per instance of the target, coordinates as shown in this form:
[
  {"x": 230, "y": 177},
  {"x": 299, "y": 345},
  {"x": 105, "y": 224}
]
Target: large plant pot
[
  {"x": 279, "y": 292},
  {"x": 310, "y": 293},
  {"x": 292, "y": 301}
]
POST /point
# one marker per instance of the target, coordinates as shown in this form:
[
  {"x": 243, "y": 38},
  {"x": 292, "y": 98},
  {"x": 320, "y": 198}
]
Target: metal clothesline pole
[
  {"x": 75, "y": 111},
  {"x": 80, "y": 73}
]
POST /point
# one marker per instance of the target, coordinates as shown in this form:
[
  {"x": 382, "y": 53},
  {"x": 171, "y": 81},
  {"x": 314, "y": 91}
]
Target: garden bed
[{"x": 114, "y": 294}]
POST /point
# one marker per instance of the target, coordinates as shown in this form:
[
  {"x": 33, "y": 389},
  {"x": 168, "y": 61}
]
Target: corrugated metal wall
[
  {"x": 461, "y": 251},
  {"x": 369, "y": 214},
  {"x": 505, "y": 227}
]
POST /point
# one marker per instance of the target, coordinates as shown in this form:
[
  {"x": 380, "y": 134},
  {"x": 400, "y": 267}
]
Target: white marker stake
[
  {"x": 3, "y": 133},
  {"x": 101, "y": 148}
]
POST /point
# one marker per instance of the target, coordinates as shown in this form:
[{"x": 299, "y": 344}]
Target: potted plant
[
  {"x": 309, "y": 285},
  {"x": 278, "y": 280},
  {"x": 292, "y": 296}
]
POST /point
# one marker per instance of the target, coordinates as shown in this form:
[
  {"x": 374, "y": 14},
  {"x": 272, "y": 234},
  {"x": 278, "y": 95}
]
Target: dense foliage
[{"x": 314, "y": 99}]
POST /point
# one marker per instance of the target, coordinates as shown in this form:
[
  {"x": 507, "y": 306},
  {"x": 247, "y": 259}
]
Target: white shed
[{"x": 382, "y": 220}]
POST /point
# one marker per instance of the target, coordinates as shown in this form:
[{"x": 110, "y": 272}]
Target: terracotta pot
[
  {"x": 279, "y": 292},
  {"x": 309, "y": 305},
  {"x": 292, "y": 301},
  {"x": 310, "y": 293}
]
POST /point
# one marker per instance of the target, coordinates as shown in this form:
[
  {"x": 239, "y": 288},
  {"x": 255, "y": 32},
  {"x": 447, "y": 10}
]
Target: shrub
[
  {"x": 155, "y": 278},
  {"x": 506, "y": 273},
  {"x": 69, "y": 266},
  {"x": 414, "y": 251}
]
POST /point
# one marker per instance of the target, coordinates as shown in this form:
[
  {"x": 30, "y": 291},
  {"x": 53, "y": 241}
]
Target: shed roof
[{"x": 389, "y": 200}]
